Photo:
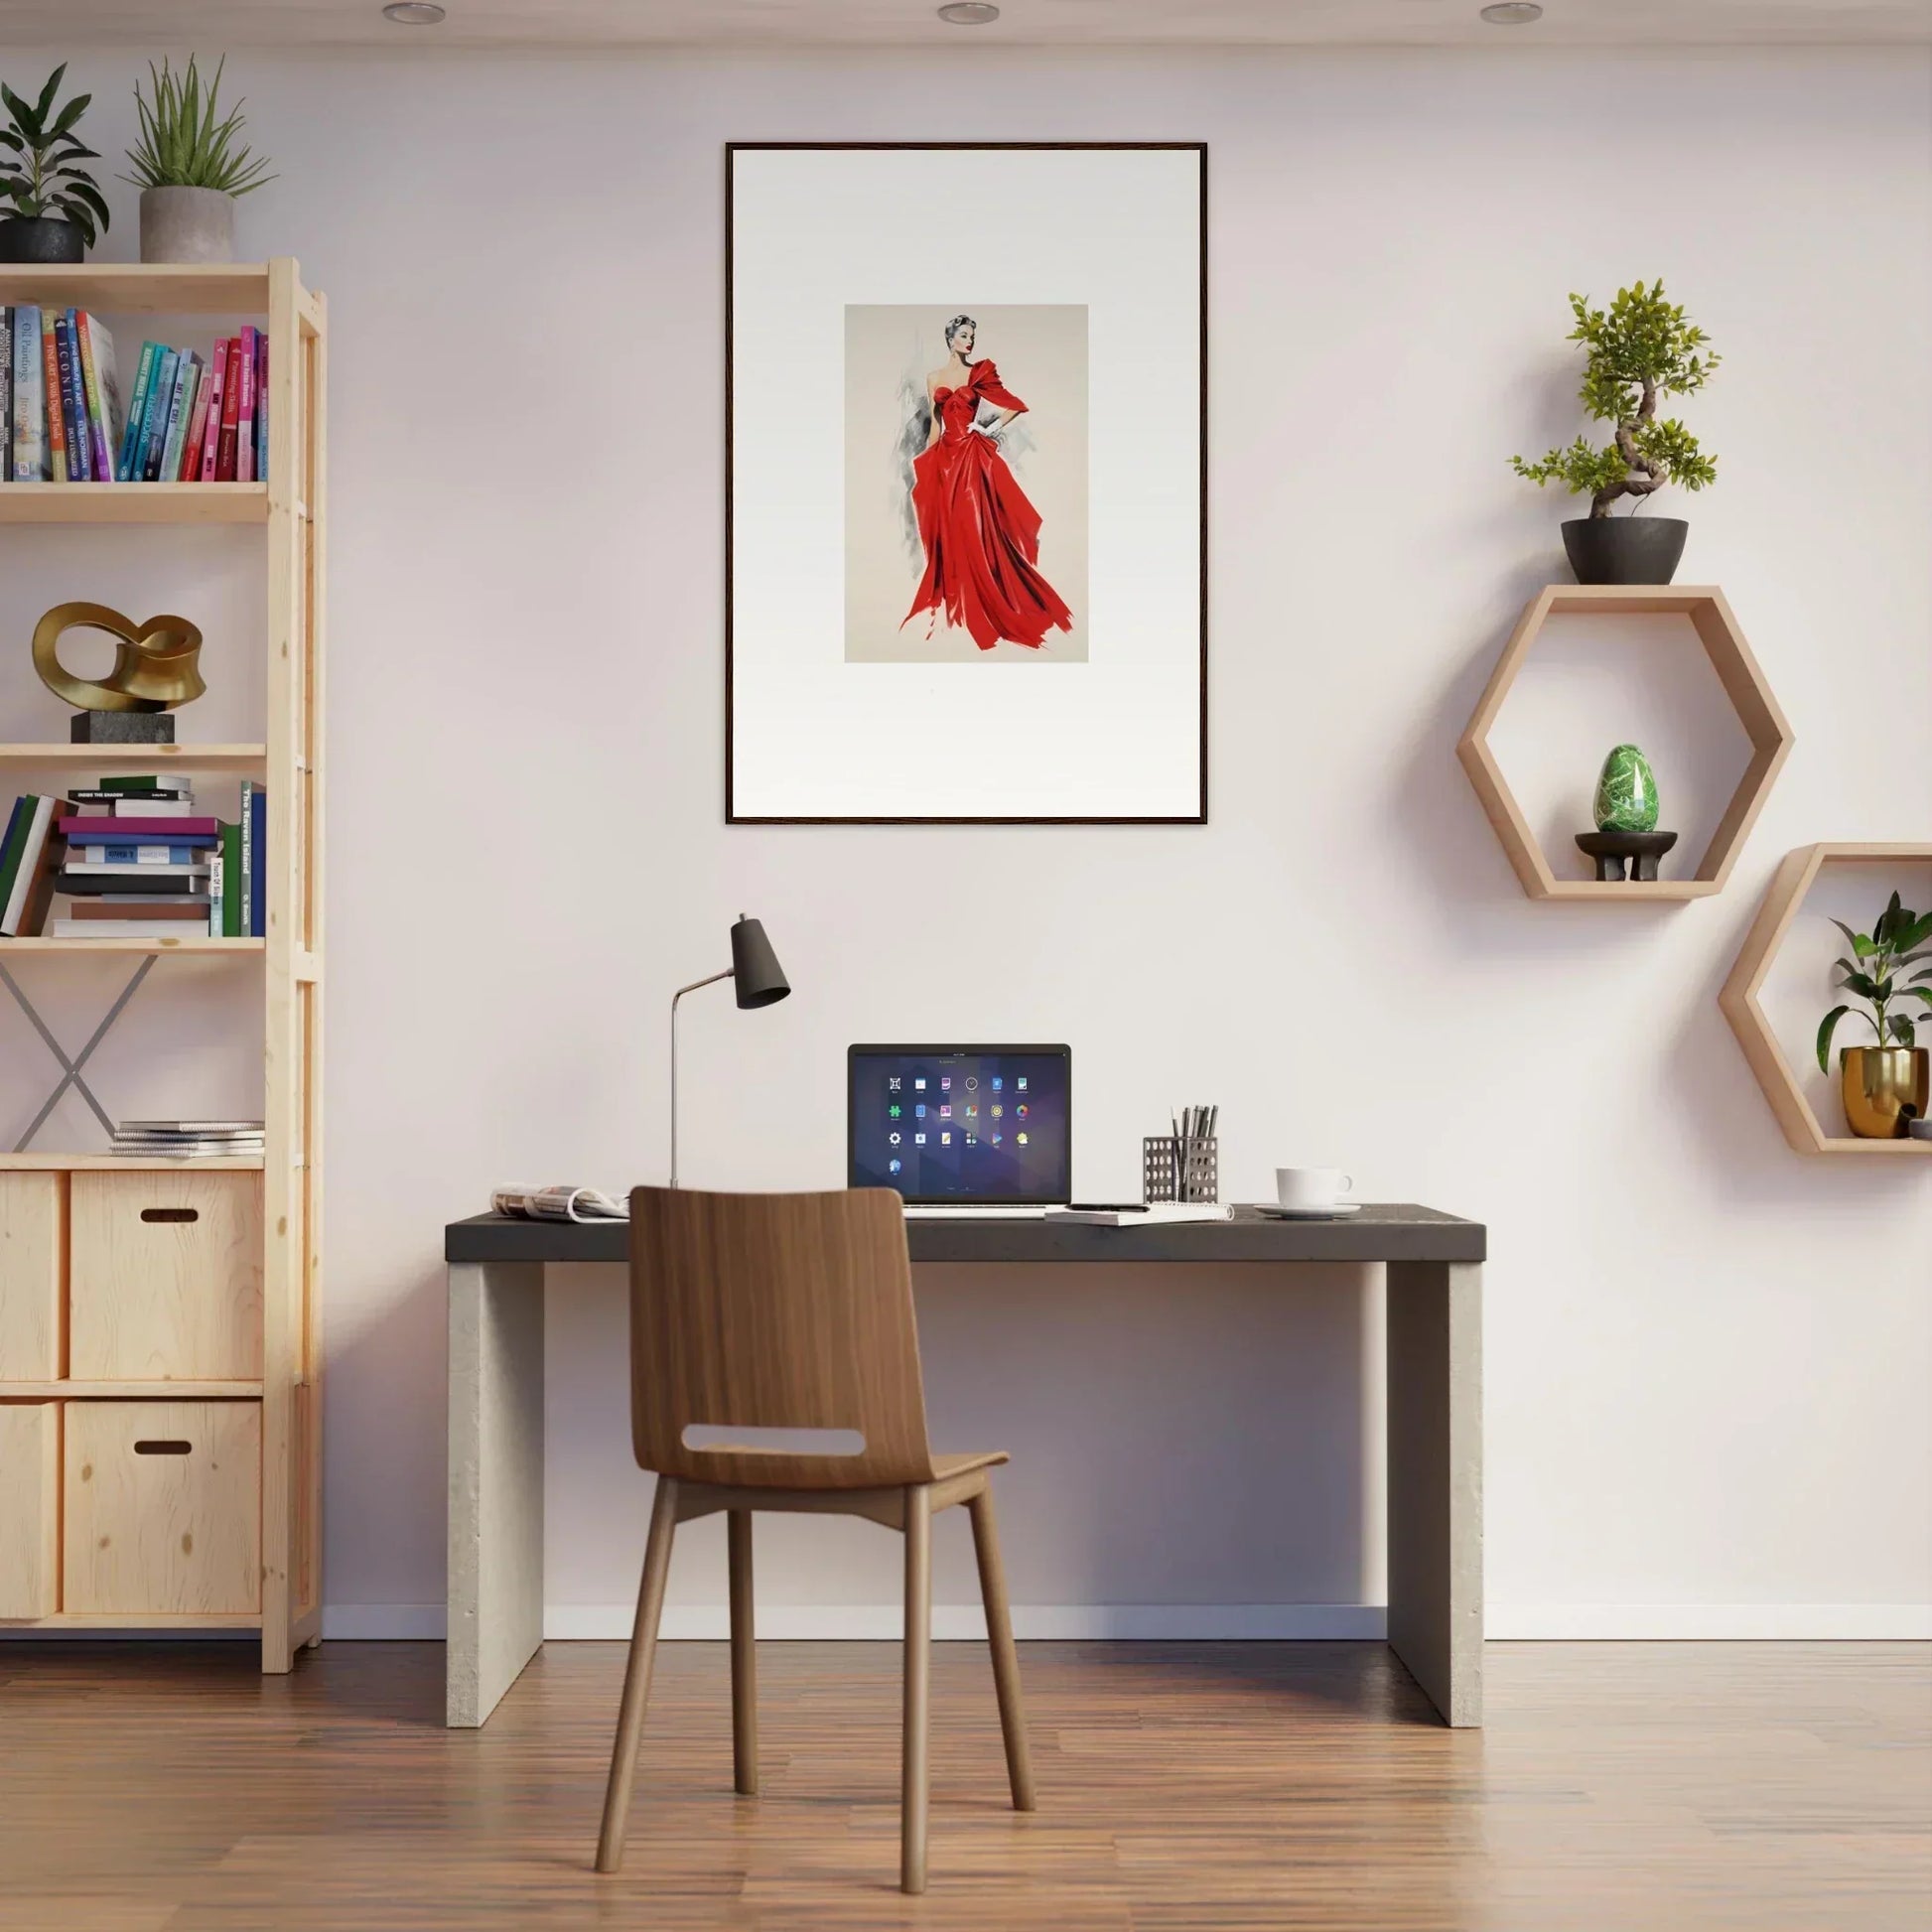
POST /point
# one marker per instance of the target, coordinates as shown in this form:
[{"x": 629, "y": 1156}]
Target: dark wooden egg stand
[{"x": 1611, "y": 850}]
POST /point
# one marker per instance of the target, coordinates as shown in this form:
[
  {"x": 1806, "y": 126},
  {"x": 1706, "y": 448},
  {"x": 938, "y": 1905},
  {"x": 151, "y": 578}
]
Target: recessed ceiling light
[
  {"x": 1512, "y": 13},
  {"x": 969, "y": 13},
  {"x": 414, "y": 13}
]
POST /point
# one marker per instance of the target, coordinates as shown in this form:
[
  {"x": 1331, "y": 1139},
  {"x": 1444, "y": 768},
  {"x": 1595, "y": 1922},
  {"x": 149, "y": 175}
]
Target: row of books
[
  {"x": 136, "y": 861},
  {"x": 188, "y": 1140},
  {"x": 187, "y": 420}
]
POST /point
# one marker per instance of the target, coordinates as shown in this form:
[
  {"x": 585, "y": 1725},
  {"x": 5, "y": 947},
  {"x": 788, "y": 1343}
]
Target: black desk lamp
[{"x": 760, "y": 982}]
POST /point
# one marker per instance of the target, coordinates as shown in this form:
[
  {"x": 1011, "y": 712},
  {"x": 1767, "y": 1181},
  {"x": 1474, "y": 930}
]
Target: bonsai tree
[
  {"x": 1640, "y": 349},
  {"x": 1896, "y": 941},
  {"x": 38, "y": 151},
  {"x": 182, "y": 144}
]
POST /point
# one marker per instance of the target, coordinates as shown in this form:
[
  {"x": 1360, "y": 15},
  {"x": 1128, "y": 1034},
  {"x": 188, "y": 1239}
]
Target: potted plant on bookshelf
[
  {"x": 187, "y": 167},
  {"x": 1885, "y": 1086},
  {"x": 1638, "y": 351},
  {"x": 55, "y": 210}
]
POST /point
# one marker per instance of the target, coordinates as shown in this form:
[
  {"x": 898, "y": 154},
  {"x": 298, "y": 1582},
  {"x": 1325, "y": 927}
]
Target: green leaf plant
[
  {"x": 1901, "y": 938},
  {"x": 182, "y": 144},
  {"x": 1638, "y": 351},
  {"x": 39, "y": 148}
]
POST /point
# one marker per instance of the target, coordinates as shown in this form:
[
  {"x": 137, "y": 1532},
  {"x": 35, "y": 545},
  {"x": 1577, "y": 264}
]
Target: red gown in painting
[{"x": 981, "y": 534}]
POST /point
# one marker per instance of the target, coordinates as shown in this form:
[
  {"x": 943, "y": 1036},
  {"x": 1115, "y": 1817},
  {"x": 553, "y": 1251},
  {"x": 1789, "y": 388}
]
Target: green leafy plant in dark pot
[
  {"x": 55, "y": 211},
  {"x": 1885, "y": 1087},
  {"x": 1639, "y": 351}
]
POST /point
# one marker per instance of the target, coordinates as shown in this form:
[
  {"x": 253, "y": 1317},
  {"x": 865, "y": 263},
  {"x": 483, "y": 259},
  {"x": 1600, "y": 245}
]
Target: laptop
[{"x": 978, "y": 1130}]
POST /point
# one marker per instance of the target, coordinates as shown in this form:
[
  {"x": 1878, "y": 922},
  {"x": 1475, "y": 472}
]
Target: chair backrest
[{"x": 756, "y": 1312}]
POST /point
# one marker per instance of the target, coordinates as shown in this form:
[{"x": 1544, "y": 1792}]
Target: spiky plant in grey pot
[{"x": 190, "y": 166}]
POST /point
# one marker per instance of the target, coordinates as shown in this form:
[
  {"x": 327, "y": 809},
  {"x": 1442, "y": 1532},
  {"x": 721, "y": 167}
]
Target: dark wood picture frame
[{"x": 732, "y": 149}]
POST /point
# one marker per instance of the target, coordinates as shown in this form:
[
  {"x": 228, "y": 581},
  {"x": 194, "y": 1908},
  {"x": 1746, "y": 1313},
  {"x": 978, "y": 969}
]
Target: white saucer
[{"x": 1272, "y": 1213}]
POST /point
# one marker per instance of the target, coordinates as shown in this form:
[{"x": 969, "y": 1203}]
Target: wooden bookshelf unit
[{"x": 182, "y": 1488}]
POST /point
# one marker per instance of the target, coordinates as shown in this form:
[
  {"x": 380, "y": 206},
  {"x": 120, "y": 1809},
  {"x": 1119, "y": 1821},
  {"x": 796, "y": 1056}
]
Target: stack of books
[
  {"x": 188, "y": 418},
  {"x": 188, "y": 1140},
  {"x": 136, "y": 861}
]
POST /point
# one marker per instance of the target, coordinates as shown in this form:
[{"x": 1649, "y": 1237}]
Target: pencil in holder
[{"x": 1180, "y": 1169}]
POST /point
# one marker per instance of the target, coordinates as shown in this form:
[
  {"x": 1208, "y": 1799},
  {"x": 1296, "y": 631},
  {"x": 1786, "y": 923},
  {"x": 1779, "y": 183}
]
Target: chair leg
[
  {"x": 1006, "y": 1659},
  {"x": 744, "y": 1667},
  {"x": 636, "y": 1676},
  {"x": 913, "y": 1790}
]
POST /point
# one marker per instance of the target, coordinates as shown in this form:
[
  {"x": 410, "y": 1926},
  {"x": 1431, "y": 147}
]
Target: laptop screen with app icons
[{"x": 979, "y": 1126}]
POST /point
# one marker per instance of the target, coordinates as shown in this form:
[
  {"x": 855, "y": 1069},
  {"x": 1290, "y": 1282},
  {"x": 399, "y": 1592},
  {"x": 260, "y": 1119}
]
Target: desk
[{"x": 1434, "y": 1412}]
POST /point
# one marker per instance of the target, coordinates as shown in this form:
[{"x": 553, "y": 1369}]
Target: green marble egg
[{"x": 1626, "y": 792}]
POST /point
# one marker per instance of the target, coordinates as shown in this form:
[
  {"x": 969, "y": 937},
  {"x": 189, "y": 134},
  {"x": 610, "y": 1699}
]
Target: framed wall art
[{"x": 966, "y": 483}]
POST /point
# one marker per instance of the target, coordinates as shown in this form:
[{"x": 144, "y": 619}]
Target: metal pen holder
[{"x": 1180, "y": 1169}]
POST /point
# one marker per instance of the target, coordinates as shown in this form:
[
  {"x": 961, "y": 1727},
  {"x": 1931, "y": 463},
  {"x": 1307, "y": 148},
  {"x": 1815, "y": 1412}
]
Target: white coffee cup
[{"x": 1311, "y": 1187}]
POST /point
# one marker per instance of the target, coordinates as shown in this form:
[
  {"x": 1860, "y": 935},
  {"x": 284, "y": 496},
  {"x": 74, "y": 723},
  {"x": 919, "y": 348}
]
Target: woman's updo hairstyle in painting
[{"x": 957, "y": 323}]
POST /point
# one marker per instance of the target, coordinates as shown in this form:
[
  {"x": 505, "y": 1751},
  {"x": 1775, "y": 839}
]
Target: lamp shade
[{"x": 756, "y": 977}]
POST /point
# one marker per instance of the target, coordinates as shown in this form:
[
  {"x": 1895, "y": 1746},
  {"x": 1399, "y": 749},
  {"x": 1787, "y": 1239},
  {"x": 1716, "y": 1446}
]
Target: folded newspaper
[{"x": 558, "y": 1204}]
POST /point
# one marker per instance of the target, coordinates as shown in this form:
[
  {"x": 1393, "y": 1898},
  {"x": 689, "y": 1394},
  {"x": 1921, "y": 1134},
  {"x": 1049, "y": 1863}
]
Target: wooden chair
[{"x": 793, "y": 1311}]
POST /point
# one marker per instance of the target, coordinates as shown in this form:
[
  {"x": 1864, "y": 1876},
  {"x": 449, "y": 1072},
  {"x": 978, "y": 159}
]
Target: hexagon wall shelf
[
  {"x": 1743, "y": 683},
  {"x": 1739, "y": 999}
]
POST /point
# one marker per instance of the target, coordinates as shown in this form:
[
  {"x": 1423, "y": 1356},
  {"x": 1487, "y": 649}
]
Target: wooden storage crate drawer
[
  {"x": 162, "y": 1505},
  {"x": 33, "y": 1247},
  {"x": 30, "y": 1508},
  {"x": 164, "y": 1276}
]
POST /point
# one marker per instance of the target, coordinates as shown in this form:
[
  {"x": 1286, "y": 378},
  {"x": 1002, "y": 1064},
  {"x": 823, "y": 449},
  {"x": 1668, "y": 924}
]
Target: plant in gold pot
[
  {"x": 189, "y": 167},
  {"x": 1886, "y": 1086}
]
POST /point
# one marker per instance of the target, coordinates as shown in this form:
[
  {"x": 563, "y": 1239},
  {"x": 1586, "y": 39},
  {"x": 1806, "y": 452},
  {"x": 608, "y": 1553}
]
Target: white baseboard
[
  {"x": 1709, "y": 1622},
  {"x": 1198, "y": 1622}
]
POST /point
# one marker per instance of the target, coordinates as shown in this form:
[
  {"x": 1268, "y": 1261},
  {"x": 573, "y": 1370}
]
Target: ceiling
[{"x": 1038, "y": 23}]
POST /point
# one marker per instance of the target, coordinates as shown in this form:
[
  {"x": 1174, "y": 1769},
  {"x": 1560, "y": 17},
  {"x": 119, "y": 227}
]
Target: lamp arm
[{"x": 675, "y": 997}]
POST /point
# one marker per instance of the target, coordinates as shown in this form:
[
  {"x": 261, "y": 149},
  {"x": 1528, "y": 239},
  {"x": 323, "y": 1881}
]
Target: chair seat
[{"x": 946, "y": 1466}]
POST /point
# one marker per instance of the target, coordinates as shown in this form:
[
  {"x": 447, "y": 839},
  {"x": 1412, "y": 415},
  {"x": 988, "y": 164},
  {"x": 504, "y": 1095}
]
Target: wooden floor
[{"x": 1628, "y": 1787}]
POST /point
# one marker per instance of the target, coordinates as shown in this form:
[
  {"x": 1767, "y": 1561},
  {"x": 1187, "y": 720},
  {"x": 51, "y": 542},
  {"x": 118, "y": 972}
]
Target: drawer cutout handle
[
  {"x": 170, "y": 1213},
  {"x": 163, "y": 1446}
]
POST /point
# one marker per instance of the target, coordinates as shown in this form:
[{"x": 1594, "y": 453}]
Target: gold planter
[{"x": 1883, "y": 1088}]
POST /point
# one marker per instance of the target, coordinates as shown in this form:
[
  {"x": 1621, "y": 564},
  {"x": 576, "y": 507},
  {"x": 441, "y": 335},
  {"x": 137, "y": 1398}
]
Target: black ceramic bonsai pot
[
  {"x": 1624, "y": 549},
  {"x": 41, "y": 238}
]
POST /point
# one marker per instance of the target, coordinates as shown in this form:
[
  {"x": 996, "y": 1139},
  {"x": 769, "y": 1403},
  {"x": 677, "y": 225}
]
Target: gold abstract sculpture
[{"x": 155, "y": 663}]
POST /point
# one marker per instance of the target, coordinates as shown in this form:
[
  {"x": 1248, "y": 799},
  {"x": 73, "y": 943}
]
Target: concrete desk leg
[
  {"x": 1434, "y": 1329},
  {"x": 495, "y": 1481}
]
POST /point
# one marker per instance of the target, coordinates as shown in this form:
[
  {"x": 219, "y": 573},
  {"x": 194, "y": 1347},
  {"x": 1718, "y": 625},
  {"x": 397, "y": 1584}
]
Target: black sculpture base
[
  {"x": 122, "y": 728},
  {"x": 1611, "y": 849}
]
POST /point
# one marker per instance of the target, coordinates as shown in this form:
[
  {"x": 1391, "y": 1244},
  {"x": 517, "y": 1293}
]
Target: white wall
[{"x": 1705, "y": 1357}]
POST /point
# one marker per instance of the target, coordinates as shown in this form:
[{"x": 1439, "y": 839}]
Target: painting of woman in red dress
[{"x": 978, "y": 531}]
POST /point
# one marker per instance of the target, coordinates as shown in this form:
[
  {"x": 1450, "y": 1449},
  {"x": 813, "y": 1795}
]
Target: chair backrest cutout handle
[
  {"x": 170, "y": 1213},
  {"x": 772, "y": 1441}
]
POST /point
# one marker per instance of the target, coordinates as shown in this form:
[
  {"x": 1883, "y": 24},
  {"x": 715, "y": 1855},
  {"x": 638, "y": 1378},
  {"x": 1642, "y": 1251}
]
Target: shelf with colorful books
[
  {"x": 135, "y": 858},
  {"x": 76, "y": 409}
]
